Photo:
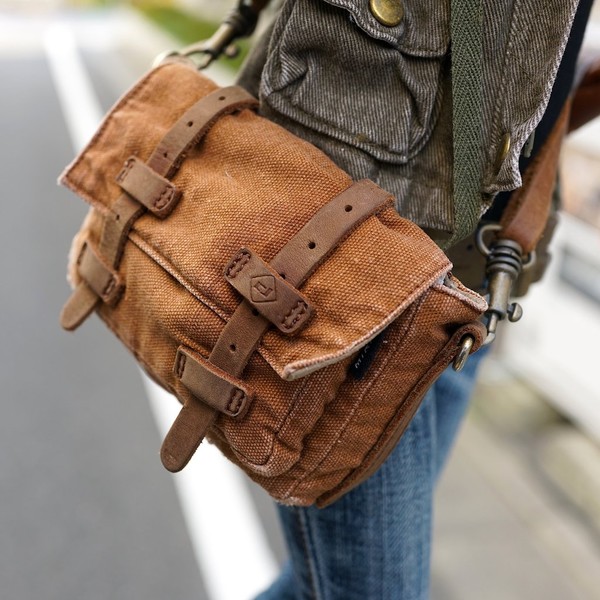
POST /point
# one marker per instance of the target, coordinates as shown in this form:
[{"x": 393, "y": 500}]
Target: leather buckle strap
[
  {"x": 242, "y": 333},
  {"x": 146, "y": 186},
  {"x": 271, "y": 295},
  {"x": 214, "y": 386},
  {"x": 156, "y": 193},
  {"x": 105, "y": 281}
]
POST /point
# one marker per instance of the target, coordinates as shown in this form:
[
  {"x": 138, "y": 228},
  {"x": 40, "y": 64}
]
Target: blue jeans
[{"x": 374, "y": 543}]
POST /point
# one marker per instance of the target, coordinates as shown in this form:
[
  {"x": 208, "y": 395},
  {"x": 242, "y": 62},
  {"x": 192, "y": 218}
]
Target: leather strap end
[
  {"x": 268, "y": 292},
  {"x": 78, "y": 307},
  {"x": 186, "y": 434}
]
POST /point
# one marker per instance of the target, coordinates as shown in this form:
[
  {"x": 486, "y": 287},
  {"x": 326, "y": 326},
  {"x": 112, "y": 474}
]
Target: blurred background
[{"x": 87, "y": 511}]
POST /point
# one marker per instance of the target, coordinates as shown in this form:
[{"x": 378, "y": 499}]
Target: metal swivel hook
[
  {"x": 503, "y": 267},
  {"x": 240, "y": 22}
]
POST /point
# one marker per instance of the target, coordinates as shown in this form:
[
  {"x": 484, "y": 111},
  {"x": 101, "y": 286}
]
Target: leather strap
[
  {"x": 209, "y": 382},
  {"x": 194, "y": 125},
  {"x": 242, "y": 333},
  {"x": 526, "y": 214},
  {"x": 164, "y": 162},
  {"x": 271, "y": 295},
  {"x": 105, "y": 282},
  {"x": 144, "y": 184}
]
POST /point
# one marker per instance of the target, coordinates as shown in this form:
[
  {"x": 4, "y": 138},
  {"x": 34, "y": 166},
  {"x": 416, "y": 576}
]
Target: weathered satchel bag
[{"x": 297, "y": 317}]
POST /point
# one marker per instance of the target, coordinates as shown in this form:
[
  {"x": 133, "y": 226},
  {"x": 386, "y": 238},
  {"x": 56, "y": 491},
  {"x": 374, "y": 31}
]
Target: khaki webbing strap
[
  {"x": 269, "y": 293},
  {"x": 242, "y": 333},
  {"x": 524, "y": 219},
  {"x": 466, "y": 30},
  {"x": 165, "y": 160},
  {"x": 155, "y": 192}
]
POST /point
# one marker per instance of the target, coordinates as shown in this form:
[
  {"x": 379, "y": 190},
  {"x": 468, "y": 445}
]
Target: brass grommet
[{"x": 387, "y": 12}]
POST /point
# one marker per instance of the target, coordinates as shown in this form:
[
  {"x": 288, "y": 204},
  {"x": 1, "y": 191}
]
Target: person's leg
[{"x": 375, "y": 541}]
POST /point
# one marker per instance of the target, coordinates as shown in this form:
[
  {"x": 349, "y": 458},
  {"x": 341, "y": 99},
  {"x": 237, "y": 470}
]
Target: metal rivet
[
  {"x": 503, "y": 151},
  {"x": 387, "y": 12}
]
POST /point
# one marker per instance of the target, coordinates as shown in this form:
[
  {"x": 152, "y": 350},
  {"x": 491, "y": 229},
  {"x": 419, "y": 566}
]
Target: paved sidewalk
[{"x": 504, "y": 529}]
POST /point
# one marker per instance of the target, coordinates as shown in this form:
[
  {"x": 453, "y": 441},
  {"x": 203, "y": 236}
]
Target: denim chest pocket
[{"x": 335, "y": 68}]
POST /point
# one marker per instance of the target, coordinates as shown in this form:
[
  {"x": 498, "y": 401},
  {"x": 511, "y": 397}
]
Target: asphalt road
[{"x": 86, "y": 510}]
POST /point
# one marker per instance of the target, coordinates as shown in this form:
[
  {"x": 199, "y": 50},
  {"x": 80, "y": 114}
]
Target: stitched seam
[
  {"x": 381, "y": 325},
  {"x": 401, "y": 339},
  {"x": 238, "y": 264},
  {"x": 296, "y": 313},
  {"x": 181, "y": 362},
  {"x": 126, "y": 170},
  {"x": 309, "y": 552},
  {"x": 237, "y": 396},
  {"x": 109, "y": 287},
  {"x": 154, "y": 255},
  {"x": 164, "y": 198},
  {"x": 408, "y": 409}
]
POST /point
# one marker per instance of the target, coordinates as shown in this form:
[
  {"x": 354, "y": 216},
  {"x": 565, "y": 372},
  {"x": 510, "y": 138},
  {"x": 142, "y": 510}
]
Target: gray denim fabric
[{"x": 378, "y": 99}]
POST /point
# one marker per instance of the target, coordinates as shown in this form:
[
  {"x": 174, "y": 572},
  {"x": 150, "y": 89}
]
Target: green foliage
[{"x": 186, "y": 28}]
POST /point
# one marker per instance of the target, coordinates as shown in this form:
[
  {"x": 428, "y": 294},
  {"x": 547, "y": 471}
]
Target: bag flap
[{"x": 250, "y": 183}]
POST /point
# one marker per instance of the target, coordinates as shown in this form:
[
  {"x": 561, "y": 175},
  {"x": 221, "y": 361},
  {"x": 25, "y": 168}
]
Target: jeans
[{"x": 374, "y": 543}]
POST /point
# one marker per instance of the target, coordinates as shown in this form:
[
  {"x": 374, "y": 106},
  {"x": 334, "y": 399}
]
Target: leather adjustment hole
[
  {"x": 348, "y": 207},
  {"x": 117, "y": 217},
  {"x": 232, "y": 347},
  {"x": 165, "y": 155},
  {"x": 190, "y": 123},
  {"x": 312, "y": 245},
  {"x": 221, "y": 98},
  {"x": 255, "y": 312},
  {"x": 282, "y": 275}
]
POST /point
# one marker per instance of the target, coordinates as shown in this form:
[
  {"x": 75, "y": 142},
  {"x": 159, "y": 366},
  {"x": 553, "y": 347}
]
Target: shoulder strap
[{"x": 466, "y": 27}]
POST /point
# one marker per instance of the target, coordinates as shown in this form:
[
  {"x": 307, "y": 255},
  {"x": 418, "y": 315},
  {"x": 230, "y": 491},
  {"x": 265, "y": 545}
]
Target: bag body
[{"x": 297, "y": 317}]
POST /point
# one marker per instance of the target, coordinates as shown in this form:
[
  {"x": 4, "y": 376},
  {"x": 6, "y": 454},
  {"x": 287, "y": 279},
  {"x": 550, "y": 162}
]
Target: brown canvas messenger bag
[{"x": 298, "y": 318}]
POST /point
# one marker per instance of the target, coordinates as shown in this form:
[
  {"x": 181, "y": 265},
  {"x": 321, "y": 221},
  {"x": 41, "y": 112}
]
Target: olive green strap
[{"x": 467, "y": 118}]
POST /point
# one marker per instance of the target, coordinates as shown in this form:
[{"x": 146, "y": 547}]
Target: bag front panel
[{"x": 346, "y": 442}]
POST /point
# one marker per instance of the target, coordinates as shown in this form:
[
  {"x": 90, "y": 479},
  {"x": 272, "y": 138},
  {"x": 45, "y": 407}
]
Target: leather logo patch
[{"x": 263, "y": 289}]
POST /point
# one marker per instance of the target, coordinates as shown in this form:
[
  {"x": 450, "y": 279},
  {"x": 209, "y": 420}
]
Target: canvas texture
[{"x": 319, "y": 408}]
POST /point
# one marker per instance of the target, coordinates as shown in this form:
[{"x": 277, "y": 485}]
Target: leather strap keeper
[
  {"x": 214, "y": 386},
  {"x": 105, "y": 282},
  {"x": 149, "y": 188},
  {"x": 272, "y": 296}
]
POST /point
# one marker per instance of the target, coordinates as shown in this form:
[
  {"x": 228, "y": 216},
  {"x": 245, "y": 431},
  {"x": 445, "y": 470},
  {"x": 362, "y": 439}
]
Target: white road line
[
  {"x": 231, "y": 548},
  {"x": 80, "y": 106}
]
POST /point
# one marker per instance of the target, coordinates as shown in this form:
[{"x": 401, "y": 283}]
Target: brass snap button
[{"x": 387, "y": 12}]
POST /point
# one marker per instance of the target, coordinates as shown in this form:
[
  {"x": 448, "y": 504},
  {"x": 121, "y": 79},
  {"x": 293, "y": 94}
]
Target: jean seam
[{"x": 309, "y": 553}]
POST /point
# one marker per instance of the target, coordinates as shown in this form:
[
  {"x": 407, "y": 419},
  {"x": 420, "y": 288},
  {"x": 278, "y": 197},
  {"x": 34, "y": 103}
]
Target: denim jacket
[{"x": 377, "y": 98}]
